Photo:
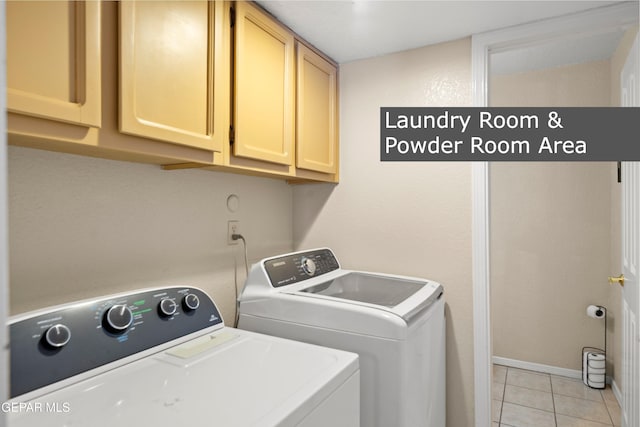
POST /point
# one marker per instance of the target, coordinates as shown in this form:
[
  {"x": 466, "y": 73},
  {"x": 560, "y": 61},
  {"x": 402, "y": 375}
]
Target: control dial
[
  {"x": 191, "y": 302},
  {"x": 119, "y": 317},
  {"x": 57, "y": 336},
  {"x": 167, "y": 307},
  {"x": 309, "y": 266}
]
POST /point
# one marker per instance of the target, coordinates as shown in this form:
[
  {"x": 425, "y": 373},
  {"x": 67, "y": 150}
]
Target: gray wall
[
  {"x": 550, "y": 230},
  {"x": 404, "y": 218},
  {"x": 82, "y": 227}
]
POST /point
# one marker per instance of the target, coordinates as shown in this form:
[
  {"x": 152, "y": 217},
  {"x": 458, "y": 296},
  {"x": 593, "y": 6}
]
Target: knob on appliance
[
  {"x": 119, "y": 317},
  {"x": 57, "y": 336},
  {"x": 309, "y": 266},
  {"x": 191, "y": 302},
  {"x": 167, "y": 307}
]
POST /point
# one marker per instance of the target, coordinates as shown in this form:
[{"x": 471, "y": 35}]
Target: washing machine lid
[
  {"x": 368, "y": 288},
  {"x": 228, "y": 378},
  {"x": 402, "y": 296}
]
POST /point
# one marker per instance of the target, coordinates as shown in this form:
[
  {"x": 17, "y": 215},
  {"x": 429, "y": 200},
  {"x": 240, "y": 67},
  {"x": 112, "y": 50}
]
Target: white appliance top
[
  {"x": 212, "y": 376},
  {"x": 246, "y": 379},
  {"x": 311, "y": 285}
]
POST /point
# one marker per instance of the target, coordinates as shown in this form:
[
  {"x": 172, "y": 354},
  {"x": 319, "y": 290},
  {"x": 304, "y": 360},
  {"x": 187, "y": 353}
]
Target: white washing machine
[
  {"x": 164, "y": 357},
  {"x": 395, "y": 323}
]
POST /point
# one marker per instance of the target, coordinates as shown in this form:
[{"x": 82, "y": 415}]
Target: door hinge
[
  {"x": 619, "y": 171},
  {"x": 232, "y": 17},
  {"x": 232, "y": 135}
]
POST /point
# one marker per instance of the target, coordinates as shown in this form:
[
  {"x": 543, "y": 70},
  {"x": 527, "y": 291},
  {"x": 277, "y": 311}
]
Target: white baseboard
[
  {"x": 553, "y": 370},
  {"x": 616, "y": 392},
  {"x": 537, "y": 367}
]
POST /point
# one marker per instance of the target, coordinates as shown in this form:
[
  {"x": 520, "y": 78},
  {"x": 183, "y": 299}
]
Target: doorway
[
  {"x": 551, "y": 242},
  {"x": 504, "y": 44}
]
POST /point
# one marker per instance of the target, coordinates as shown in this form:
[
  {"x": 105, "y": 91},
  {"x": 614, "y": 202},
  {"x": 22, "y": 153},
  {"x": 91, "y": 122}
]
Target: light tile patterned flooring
[{"x": 532, "y": 399}]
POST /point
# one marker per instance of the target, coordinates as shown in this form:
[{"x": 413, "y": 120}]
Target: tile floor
[{"x": 532, "y": 399}]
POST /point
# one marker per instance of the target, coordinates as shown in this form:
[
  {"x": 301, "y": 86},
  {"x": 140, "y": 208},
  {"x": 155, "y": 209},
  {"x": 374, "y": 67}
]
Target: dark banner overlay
[{"x": 509, "y": 134}]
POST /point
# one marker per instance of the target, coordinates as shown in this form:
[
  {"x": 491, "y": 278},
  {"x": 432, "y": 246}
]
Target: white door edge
[
  {"x": 630, "y": 251},
  {"x": 4, "y": 249}
]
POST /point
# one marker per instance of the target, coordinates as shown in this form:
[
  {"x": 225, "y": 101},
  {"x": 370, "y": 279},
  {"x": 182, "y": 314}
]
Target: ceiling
[
  {"x": 587, "y": 48},
  {"x": 348, "y": 30}
]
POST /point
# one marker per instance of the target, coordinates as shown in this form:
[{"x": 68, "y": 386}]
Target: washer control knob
[
  {"x": 119, "y": 317},
  {"x": 57, "y": 336},
  {"x": 309, "y": 266},
  {"x": 167, "y": 307},
  {"x": 191, "y": 302}
]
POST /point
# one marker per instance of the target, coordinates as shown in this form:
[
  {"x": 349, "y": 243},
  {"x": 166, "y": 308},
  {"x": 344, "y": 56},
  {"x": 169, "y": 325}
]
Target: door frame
[
  {"x": 579, "y": 24},
  {"x": 4, "y": 228}
]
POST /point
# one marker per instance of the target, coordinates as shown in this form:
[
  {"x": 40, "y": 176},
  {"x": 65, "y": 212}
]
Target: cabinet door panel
[
  {"x": 264, "y": 87},
  {"x": 53, "y": 60},
  {"x": 316, "y": 129},
  {"x": 171, "y": 61}
]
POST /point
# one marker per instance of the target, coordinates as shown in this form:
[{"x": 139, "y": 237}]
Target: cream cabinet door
[
  {"x": 316, "y": 112},
  {"x": 53, "y": 60},
  {"x": 174, "y": 72},
  {"x": 264, "y": 87}
]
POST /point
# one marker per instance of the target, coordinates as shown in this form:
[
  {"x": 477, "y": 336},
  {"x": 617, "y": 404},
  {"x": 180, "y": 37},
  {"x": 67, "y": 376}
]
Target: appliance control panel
[
  {"x": 51, "y": 345},
  {"x": 293, "y": 268}
]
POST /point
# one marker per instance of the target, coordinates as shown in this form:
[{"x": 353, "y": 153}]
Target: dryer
[
  {"x": 395, "y": 323},
  {"x": 164, "y": 357}
]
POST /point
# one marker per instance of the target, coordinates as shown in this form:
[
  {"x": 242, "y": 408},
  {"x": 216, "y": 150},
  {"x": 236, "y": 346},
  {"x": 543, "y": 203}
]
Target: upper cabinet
[
  {"x": 284, "y": 120},
  {"x": 174, "y": 73},
  {"x": 53, "y": 60},
  {"x": 264, "y": 87},
  {"x": 208, "y": 84},
  {"x": 316, "y": 112}
]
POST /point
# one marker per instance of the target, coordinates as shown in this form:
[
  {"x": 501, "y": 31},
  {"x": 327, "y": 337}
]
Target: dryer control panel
[
  {"x": 51, "y": 345},
  {"x": 294, "y": 268}
]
